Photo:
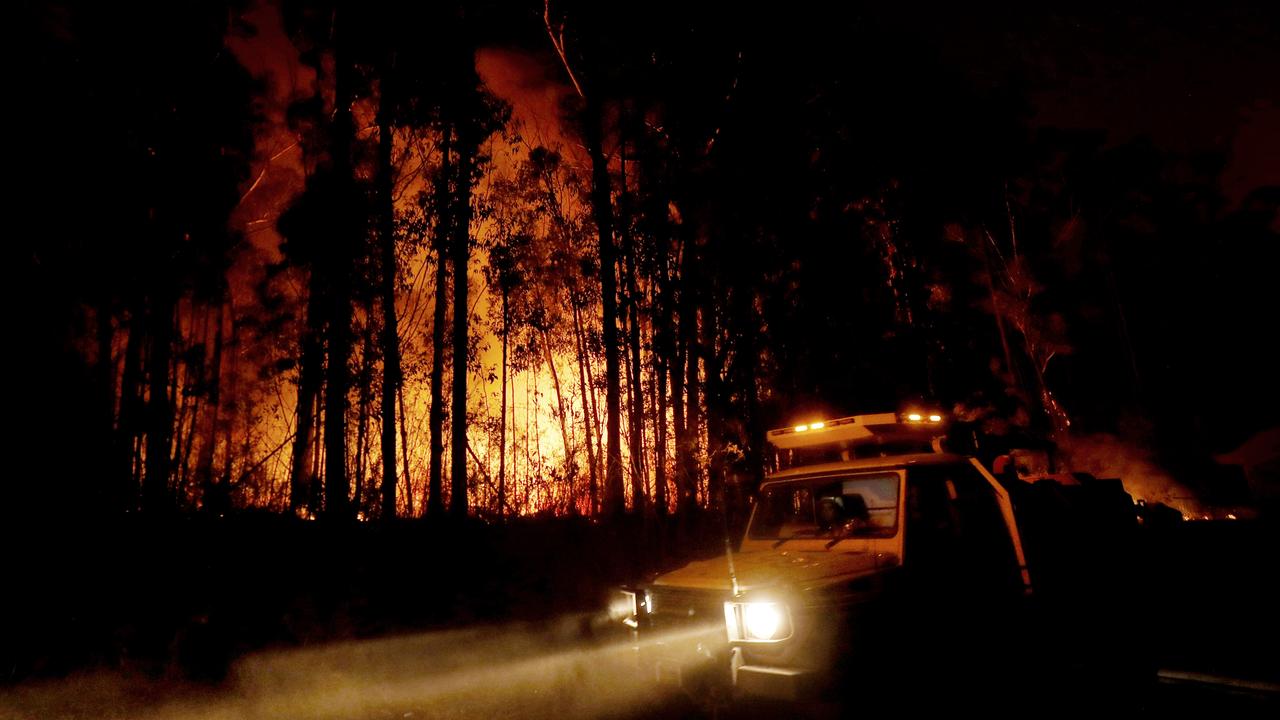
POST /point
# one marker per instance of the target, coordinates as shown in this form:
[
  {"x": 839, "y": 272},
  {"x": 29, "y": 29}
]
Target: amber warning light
[{"x": 859, "y": 429}]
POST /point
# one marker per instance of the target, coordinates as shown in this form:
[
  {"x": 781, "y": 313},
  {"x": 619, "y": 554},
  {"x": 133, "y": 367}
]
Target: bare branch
[
  {"x": 558, "y": 44},
  {"x": 265, "y": 167}
]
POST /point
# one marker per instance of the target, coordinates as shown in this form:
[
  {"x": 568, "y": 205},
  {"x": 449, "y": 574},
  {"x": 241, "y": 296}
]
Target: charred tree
[
  {"x": 713, "y": 390},
  {"x": 688, "y": 324},
  {"x": 404, "y": 456},
  {"x": 602, "y": 211},
  {"x": 132, "y": 407},
  {"x": 683, "y": 459},
  {"x": 106, "y": 385},
  {"x": 461, "y": 254},
  {"x": 477, "y": 116},
  {"x": 444, "y": 223},
  {"x": 502, "y": 409},
  {"x": 364, "y": 398},
  {"x": 666, "y": 366},
  {"x": 390, "y": 331},
  {"x": 635, "y": 391},
  {"x": 465, "y": 99},
  {"x": 660, "y": 357},
  {"x": 588, "y": 412},
  {"x": 310, "y": 380},
  {"x": 339, "y": 258},
  {"x": 155, "y": 490},
  {"x": 204, "y": 461}
]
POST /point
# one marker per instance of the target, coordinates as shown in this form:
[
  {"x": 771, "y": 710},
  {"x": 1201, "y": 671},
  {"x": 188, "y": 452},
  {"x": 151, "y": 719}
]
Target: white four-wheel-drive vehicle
[{"x": 877, "y": 564}]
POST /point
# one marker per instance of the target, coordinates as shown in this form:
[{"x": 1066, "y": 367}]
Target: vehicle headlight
[
  {"x": 629, "y": 604},
  {"x": 761, "y": 620},
  {"x": 622, "y": 606},
  {"x": 757, "y": 621}
]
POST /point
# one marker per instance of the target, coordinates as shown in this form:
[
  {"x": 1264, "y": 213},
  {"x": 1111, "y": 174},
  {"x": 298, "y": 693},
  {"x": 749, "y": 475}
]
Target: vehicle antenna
[{"x": 728, "y": 544}]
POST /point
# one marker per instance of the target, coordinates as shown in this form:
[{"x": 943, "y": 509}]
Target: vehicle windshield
[{"x": 851, "y": 506}]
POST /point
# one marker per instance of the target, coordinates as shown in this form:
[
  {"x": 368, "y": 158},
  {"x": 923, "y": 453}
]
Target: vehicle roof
[{"x": 809, "y": 472}]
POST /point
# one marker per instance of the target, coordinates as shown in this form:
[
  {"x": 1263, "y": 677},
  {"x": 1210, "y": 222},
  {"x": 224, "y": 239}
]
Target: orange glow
[
  {"x": 555, "y": 406},
  {"x": 547, "y": 466}
]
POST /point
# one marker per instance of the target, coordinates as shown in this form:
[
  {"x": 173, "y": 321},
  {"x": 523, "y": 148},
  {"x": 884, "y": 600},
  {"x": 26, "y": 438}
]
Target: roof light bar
[{"x": 855, "y": 429}]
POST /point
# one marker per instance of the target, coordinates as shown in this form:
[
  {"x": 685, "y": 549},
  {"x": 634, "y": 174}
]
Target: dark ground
[{"x": 261, "y": 617}]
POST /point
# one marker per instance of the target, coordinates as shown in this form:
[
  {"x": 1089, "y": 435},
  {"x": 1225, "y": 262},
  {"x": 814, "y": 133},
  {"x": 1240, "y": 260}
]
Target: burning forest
[{"x": 346, "y": 279}]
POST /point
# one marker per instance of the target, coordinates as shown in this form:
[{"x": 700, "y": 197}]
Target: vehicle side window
[
  {"x": 955, "y": 526},
  {"x": 983, "y": 528},
  {"x": 932, "y": 525}
]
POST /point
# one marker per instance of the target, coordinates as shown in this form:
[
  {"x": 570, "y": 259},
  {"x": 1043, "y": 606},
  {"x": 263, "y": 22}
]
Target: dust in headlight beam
[{"x": 552, "y": 669}]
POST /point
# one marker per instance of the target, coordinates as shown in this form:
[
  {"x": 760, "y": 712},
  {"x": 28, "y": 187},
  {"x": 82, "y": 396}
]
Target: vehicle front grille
[{"x": 678, "y": 606}]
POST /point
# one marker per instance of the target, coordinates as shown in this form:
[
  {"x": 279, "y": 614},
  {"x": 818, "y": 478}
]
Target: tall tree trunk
[
  {"x": 336, "y": 486},
  {"x": 627, "y": 402},
  {"x": 155, "y": 490},
  {"x": 310, "y": 379},
  {"x": 635, "y": 416},
  {"x": 599, "y": 433},
  {"x": 315, "y": 492},
  {"x": 390, "y": 332},
  {"x": 658, "y": 401},
  {"x": 682, "y": 463},
  {"x": 444, "y": 222},
  {"x": 192, "y": 380},
  {"x": 602, "y": 210},
  {"x": 713, "y": 392},
  {"x": 998, "y": 314},
  {"x": 570, "y": 456},
  {"x": 404, "y": 456},
  {"x": 745, "y": 331},
  {"x": 502, "y": 410},
  {"x": 688, "y": 310},
  {"x": 131, "y": 407},
  {"x": 461, "y": 252},
  {"x": 180, "y": 403},
  {"x": 106, "y": 381},
  {"x": 660, "y": 334},
  {"x": 233, "y": 382},
  {"x": 692, "y": 421},
  {"x": 340, "y": 257},
  {"x": 364, "y": 394},
  {"x": 588, "y": 412},
  {"x": 515, "y": 456},
  {"x": 204, "y": 461},
  {"x": 530, "y": 421}
]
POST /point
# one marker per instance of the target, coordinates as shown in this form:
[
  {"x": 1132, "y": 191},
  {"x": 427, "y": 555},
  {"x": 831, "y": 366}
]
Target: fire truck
[{"x": 879, "y": 566}]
